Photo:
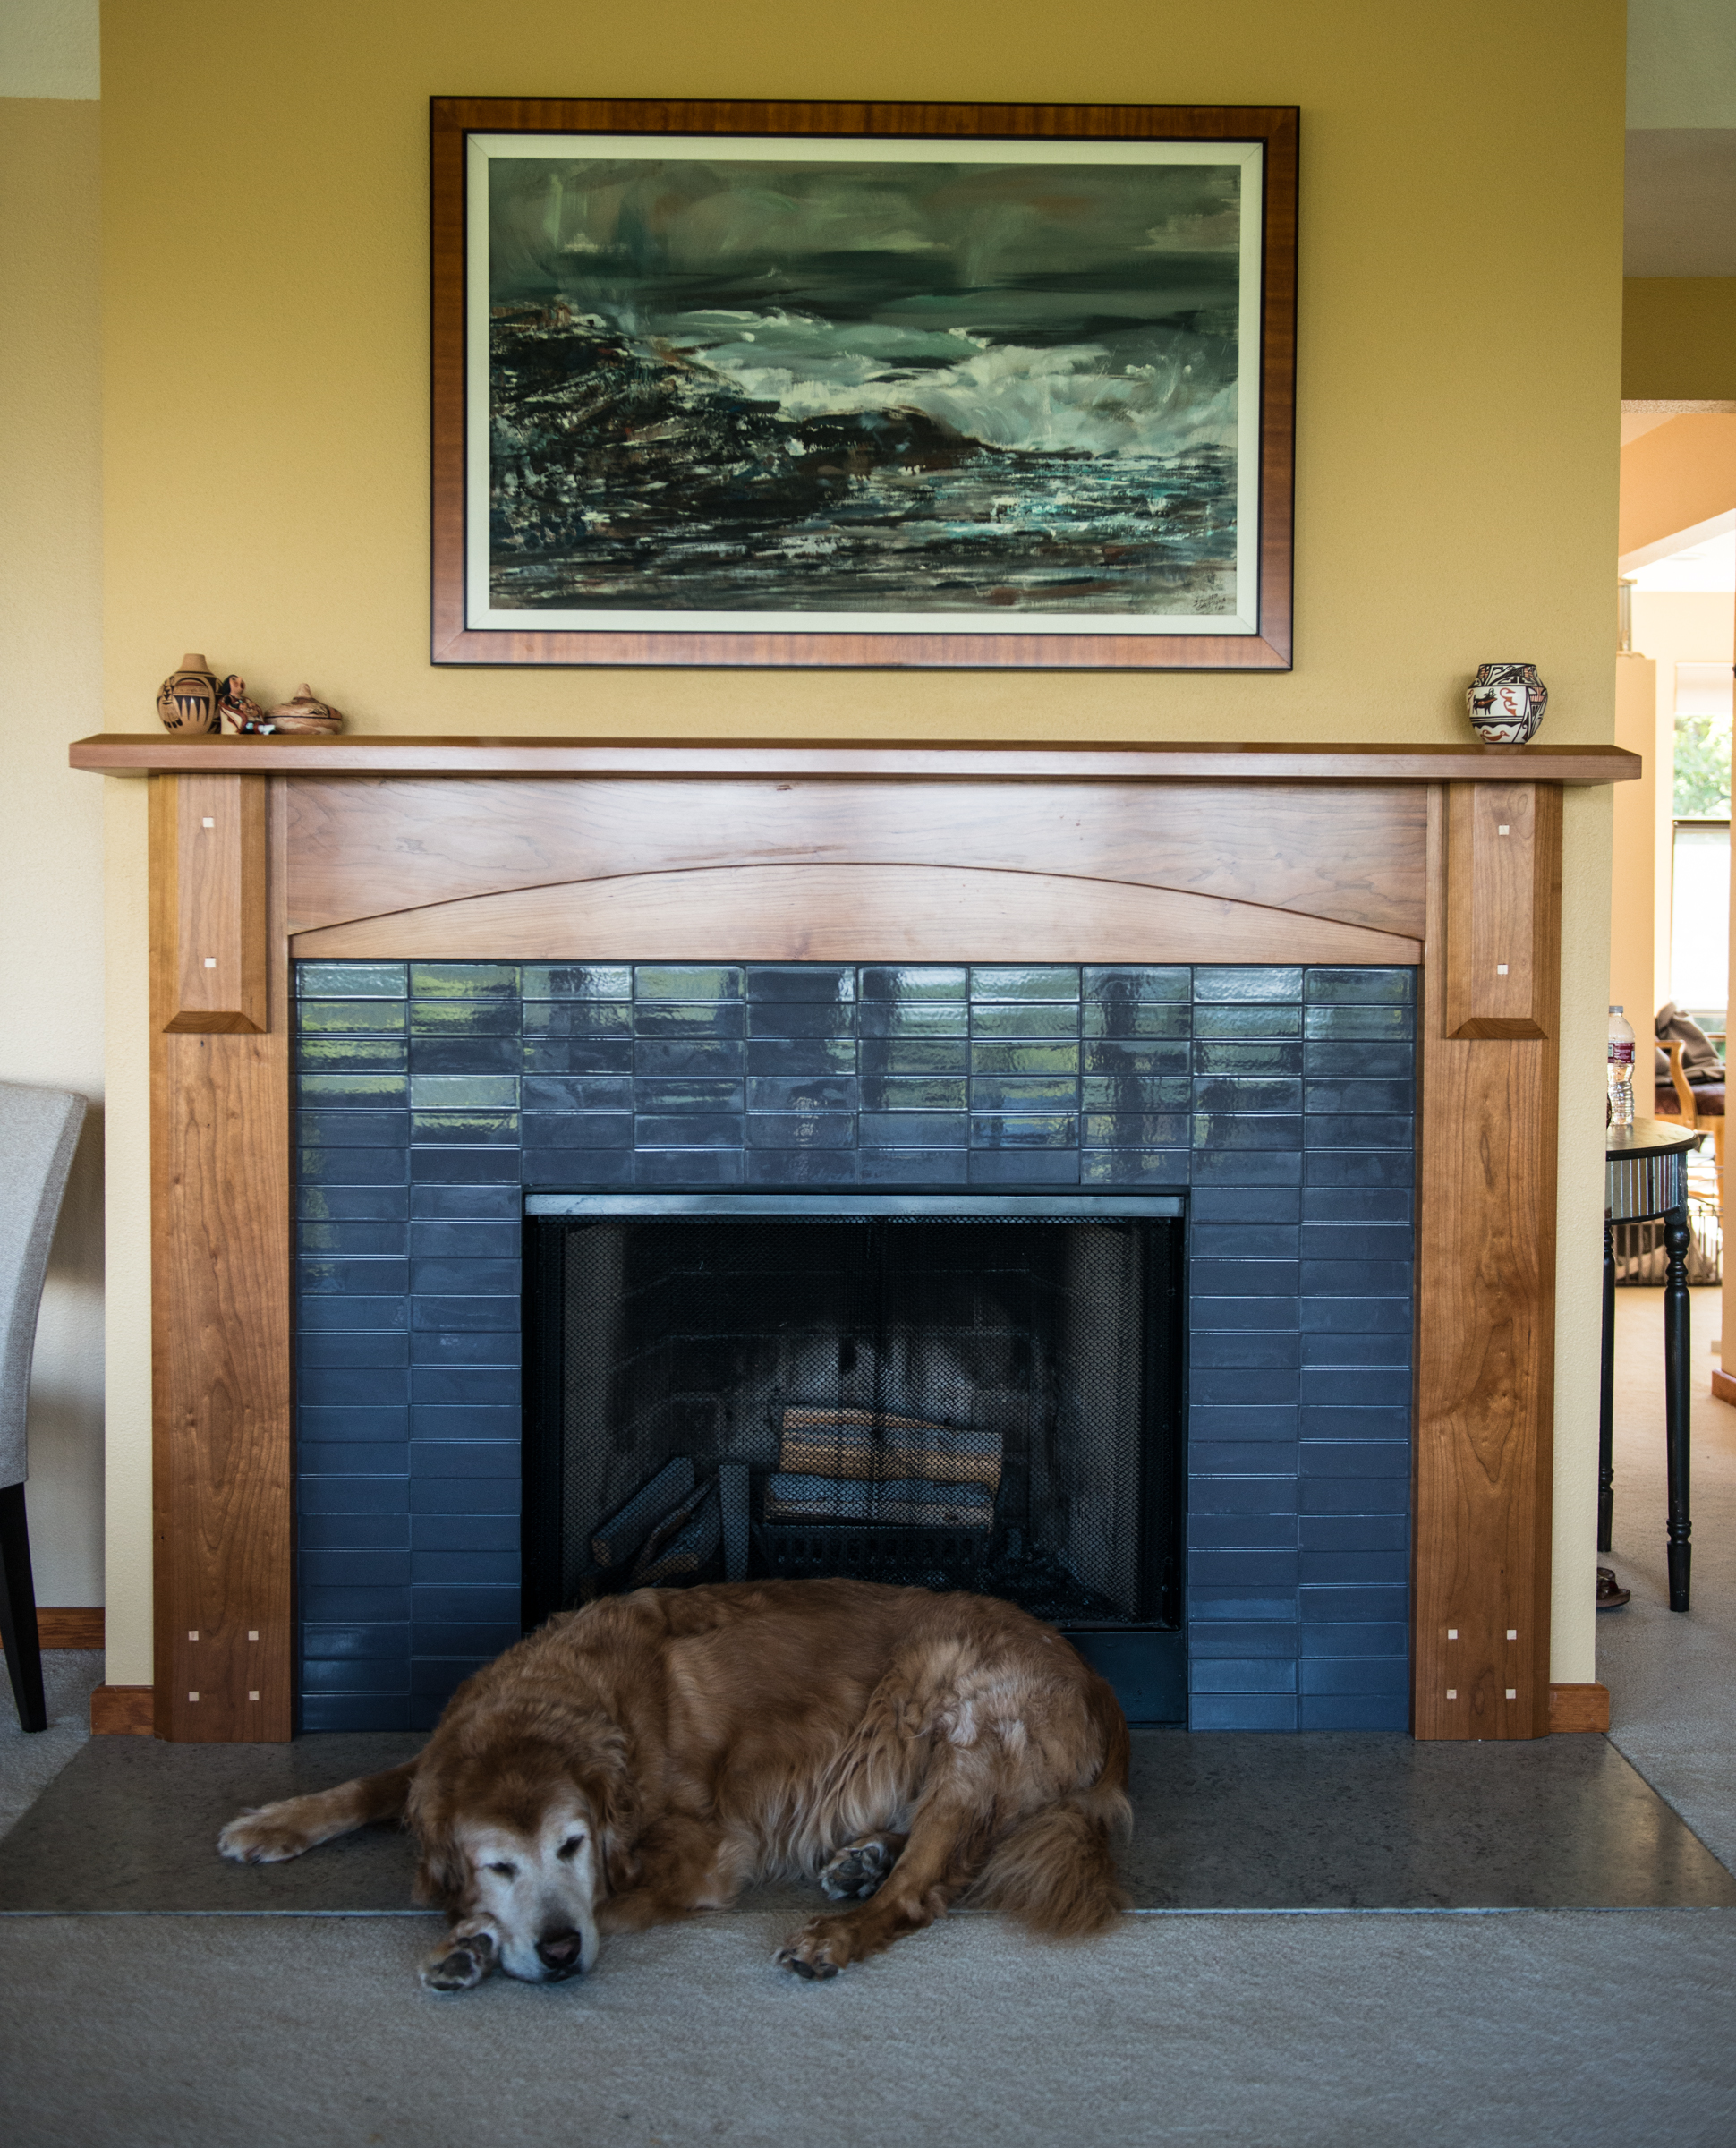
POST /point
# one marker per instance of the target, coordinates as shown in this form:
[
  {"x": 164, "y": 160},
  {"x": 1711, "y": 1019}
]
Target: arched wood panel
[{"x": 854, "y": 913}]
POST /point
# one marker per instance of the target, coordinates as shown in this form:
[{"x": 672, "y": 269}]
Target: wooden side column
[
  {"x": 221, "y": 1233},
  {"x": 1485, "y": 1275}
]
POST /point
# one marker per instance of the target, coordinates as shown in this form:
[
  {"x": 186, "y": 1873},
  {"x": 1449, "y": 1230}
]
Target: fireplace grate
[{"x": 980, "y": 1403}]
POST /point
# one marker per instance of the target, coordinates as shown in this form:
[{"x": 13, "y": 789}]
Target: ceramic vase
[
  {"x": 188, "y": 700},
  {"x": 1505, "y": 702},
  {"x": 304, "y": 711}
]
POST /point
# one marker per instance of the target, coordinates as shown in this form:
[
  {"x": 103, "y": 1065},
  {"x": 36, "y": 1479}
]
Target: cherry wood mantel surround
[{"x": 269, "y": 849}]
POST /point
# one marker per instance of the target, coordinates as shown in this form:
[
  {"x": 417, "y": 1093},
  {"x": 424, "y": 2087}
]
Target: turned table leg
[{"x": 1678, "y": 1397}]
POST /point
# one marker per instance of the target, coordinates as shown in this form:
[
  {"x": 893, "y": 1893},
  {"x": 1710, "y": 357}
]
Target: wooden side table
[{"x": 1646, "y": 1176}]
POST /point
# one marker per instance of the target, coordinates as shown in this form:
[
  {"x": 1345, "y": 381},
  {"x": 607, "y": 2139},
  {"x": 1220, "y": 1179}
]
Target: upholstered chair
[{"x": 38, "y": 1131}]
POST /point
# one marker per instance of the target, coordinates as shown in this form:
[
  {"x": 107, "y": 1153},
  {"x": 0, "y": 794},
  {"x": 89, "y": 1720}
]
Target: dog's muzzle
[{"x": 562, "y": 1955}]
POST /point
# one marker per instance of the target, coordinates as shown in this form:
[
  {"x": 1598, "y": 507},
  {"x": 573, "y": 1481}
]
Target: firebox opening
[{"x": 948, "y": 1393}]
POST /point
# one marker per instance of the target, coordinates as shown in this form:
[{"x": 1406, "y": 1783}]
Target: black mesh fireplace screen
[{"x": 983, "y": 1402}]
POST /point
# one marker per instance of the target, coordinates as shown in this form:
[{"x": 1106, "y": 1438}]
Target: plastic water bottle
[{"x": 1620, "y": 1069}]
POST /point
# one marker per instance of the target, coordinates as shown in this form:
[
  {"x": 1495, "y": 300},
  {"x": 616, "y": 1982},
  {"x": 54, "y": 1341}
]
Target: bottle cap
[{"x": 1615, "y": 1010}]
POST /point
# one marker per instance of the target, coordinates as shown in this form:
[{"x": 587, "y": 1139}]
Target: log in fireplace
[{"x": 1443, "y": 861}]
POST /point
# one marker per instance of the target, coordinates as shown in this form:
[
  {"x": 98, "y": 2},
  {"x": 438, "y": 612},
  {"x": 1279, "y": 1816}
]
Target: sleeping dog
[{"x": 654, "y": 1753}]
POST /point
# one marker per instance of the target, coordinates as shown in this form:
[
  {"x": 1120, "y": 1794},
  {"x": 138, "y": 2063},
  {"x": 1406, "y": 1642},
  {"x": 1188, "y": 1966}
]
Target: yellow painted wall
[
  {"x": 1678, "y": 339},
  {"x": 266, "y": 287},
  {"x": 1634, "y": 869},
  {"x": 51, "y": 853}
]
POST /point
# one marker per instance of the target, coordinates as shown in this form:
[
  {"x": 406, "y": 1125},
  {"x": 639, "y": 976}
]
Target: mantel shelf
[{"x": 125, "y": 753}]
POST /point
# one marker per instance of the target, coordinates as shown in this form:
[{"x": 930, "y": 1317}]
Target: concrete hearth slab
[{"x": 1328, "y": 1820}]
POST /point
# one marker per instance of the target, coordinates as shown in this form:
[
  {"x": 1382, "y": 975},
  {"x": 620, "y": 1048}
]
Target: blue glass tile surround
[{"x": 432, "y": 1097}]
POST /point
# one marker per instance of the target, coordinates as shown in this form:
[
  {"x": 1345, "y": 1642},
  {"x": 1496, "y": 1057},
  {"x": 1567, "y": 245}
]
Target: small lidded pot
[
  {"x": 187, "y": 701},
  {"x": 1505, "y": 702},
  {"x": 304, "y": 713}
]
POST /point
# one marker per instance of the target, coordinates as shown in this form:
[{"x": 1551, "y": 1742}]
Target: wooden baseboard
[
  {"x": 1723, "y": 1384},
  {"x": 1578, "y": 1707},
  {"x": 70, "y": 1625},
  {"x": 122, "y": 1712}
]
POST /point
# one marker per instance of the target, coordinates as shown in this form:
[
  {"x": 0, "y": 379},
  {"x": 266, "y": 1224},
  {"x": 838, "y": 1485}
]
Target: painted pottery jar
[
  {"x": 187, "y": 701},
  {"x": 304, "y": 711},
  {"x": 1505, "y": 702}
]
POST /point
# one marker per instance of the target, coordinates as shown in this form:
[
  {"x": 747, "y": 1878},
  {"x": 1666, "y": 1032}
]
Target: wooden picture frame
[{"x": 1135, "y": 486}]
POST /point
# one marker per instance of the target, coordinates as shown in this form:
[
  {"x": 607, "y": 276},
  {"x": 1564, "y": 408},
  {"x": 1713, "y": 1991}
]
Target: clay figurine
[
  {"x": 188, "y": 701},
  {"x": 305, "y": 712},
  {"x": 1505, "y": 702},
  {"x": 244, "y": 716}
]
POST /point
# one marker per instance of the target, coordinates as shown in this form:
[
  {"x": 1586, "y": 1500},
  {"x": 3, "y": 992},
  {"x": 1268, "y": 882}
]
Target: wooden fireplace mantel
[{"x": 1446, "y": 856}]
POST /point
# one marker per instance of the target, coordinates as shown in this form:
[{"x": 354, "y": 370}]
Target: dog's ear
[
  {"x": 607, "y": 1786},
  {"x": 440, "y": 1872}
]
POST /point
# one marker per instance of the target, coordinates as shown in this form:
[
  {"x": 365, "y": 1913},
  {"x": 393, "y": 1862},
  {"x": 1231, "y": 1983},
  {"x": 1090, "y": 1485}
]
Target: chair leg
[{"x": 18, "y": 1611}]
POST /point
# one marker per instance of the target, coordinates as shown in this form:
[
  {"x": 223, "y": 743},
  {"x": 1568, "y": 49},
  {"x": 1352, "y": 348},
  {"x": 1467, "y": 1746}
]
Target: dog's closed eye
[
  {"x": 571, "y": 1846},
  {"x": 505, "y": 1871}
]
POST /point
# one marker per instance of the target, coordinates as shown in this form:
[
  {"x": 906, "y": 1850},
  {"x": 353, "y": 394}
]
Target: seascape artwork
[{"x": 810, "y": 384}]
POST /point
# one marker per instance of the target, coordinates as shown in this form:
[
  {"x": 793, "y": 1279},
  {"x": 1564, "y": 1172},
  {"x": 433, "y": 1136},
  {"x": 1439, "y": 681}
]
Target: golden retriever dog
[{"x": 654, "y": 1753}]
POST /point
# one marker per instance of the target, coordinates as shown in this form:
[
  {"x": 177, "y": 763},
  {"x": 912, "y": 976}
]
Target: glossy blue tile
[
  {"x": 1370, "y": 1025},
  {"x": 1361, "y": 987},
  {"x": 1246, "y": 1058},
  {"x": 479, "y": 1638},
  {"x": 360, "y": 1054},
  {"x": 1111, "y": 1058},
  {"x": 439, "y": 1348},
  {"x": 1241, "y": 1711},
  {"x": 1352, "y": 1532},
  {"x": 578, "y": 1169},
  {"x": 578, "y": 1129},
  {"x": 323, "y": 1678},
  {"x": 464, "y": 1018},
  {"x": 992, "y": 1167},
  {"x": 601, "y": 1055},
  {"x": 1224, "y": 1132},
  {"x": 353, "y": 1387},
  {"x": 371, "y": 1569},
  {"x": 688, "y": 1169},
  {"x": 803, "y": 1092},
  {"x": 1231, "y": 1020},
  {"x": 463, "y": 1532},
  {"x": 583, "y": 1092},
  {"x": 800, "y": 1130},
  {"x": 1367, "y": 1426},
  {"x": 351, "y": 1130},
  {"x": 1371, "y": 1568},
  {"x": 349, "y": 980},
  {"x": 1134, "y": 1129},
  {"x": 664, "y": 980},
  {"x": 454, "y": 1055},
  {"x": 337, "y": 1642},
  {"x": 1360, "y": 1167},
  {"x": 359, "y": 1091},
  {"x": 458, "y": 1316},
  {"x": 455, "y": 1603},
  {"x": 665, "y": 1056},
  {"x": 324, "y": 1204},
  {"x": 1241, "y": 1638},
  {"x": 1027, "y": 1129},
  {"x": 1249, "y": 1456},
  {"x": 1243, "y": 1571},
  {"x": 1242, "y": 1241},
  {"x": 1339, "y": 1605},
  {"x": 703, "y": 1021},
  {"x": 465, "y": 1130},
  {"x": 1263, "y": 1278},
  {"x": 915, "y": 1093},
  {"x": 1266, "y": 1494},
  {"x": 1136, "y": 1093},
  {"x": 460, "y": 1204},
  {"x": 1346, "y": 1712},
  {"x": 1348, "y": 1638},
  {"x": 486, "y": 1240},
  {"x": 913, "y": 1168},
  {"x": 366, "y": 1349},
  {"x": 1329, "y": 1349},
  {"x": 777, "y": 1059},
  {"x": 1141, "y": 1025},
  {"x": 477, "y": 1278},
  {"x": 1208, "y": 1387},
  {"x": 1134, "y": 1167},
  {"x": 1359, "y": 1130},
  {"x": 463, "y": 1092},
  {"x": 578, "y": 981},
  {"x": 1256, "y": 1311},
  {"x": 910, "y": 982},
  {"x": 1358, "y": 1241},
  {"x": 356, "y": 1278},
  {"x": 352, "y": 1239},
  {"x": 1040, "y": 981},
  {"x": 325, "y": 1606},
  {"x": 913, "y": 1019},
  {"x": 342, "y": 1530},
  {"x": 493, "y": 1459},
  {"x": 1247, "y": 981},
  {"x": 693, "y": 1093},
  {"x": 471, "y": 1565},
  {"x": 1356, "y": 1387},
  {"x": 374, "y": 1423},
  {"x": 1363, "y": 1061},
  {"x": 464, "y": 980},
  {"x": 1246, "y": 1167},
  {"x": 577, "y": 1020},
  {"x": 1356, "y": 1316},
  {"x": 914, "y": 1129},
  {"x": 688, "y": 1130},
  {"x": 436, "y": 1679},
  {"x": 779, "y": 981},
  {"x": 794, "y": 1168},
  {"x": 1357, "y": 1278},
  {"x": 1250, "y": 1532},
  {"x": 350, "y": 1017},
  {"x": 1236, "y": 1093},
  {"x": 1356, "y": 1458},
  {"x": 466, "y": 1496},
  {"x": 462, "y": 1420},
  {"x": 1114, "y": 983},
  {"x": 1245, "y": 1675},
  {"x": 1214, "y": 1607},
  {"x": 341, "y": 1493},
  {"x": 449, "y": 1384},
  {"x": 1248, "y": 1351},
  {"x": 803, "y": 1019},
  {"x": 1357, "y": 1204},
  {"x": 1243, "y": 1420},
  {"x": 1041, "y": 1020},
  {"x": 1246, "y": 1204},
  {"x": 355, "y": 1711},
  {"x": 1356, "y": 1495}
]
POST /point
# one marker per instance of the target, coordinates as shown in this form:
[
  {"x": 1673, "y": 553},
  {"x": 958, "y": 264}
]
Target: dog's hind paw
[
  {"x": 819, "y": 1950},
  {"x": 462, "y": 1966},
  {"x": 860, "y": 1868}
]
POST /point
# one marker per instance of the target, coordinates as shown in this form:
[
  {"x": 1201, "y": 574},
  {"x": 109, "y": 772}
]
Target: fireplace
[
  {"x": 932, "y": 1391},
  {"x": 338, "y": 1448}
]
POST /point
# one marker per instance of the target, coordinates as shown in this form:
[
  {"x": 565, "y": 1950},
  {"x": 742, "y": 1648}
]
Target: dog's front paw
[
  {"x": 461, "y": 1965},
  {"x": 819, "y": 1950},
  {"x": 859, "y": 1870},
  {"x": 265, "y": 1834}
]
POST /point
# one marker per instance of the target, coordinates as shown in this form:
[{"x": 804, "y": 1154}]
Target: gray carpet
[
  {"x": 1540, "y": 2030},
  {"x": 1672, "y": 1678},
  {"x": 30, "y": 1760},
  {"x": 1321, "y": 1820}
]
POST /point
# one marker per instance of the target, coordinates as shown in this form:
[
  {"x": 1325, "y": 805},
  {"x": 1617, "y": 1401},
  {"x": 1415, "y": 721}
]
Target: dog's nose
[{"x": 561, "y": 1951}]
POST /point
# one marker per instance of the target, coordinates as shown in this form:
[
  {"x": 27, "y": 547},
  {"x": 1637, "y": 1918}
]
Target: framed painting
[{"x": 877, "y": 384}]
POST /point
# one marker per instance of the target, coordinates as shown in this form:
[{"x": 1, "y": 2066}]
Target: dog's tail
[{"x": 1055, "y": 1870}]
